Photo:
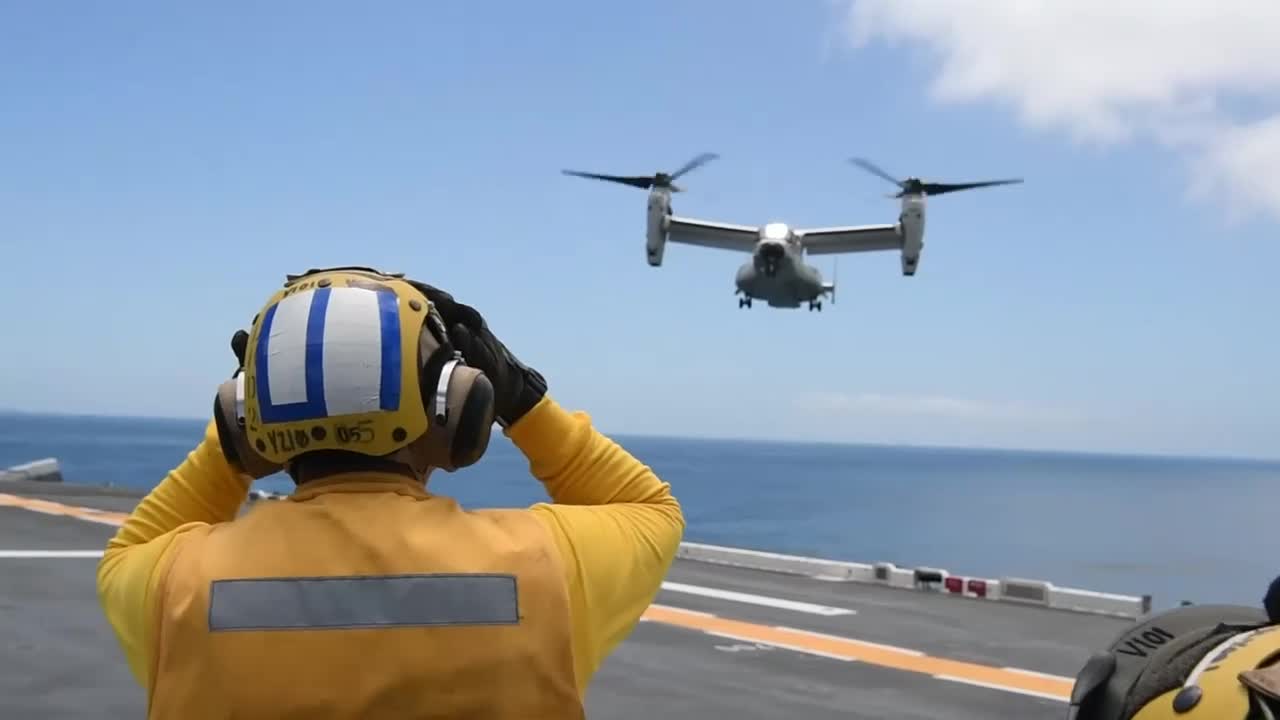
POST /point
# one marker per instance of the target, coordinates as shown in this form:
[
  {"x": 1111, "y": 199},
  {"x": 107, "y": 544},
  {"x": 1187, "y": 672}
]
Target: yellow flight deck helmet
[
  {"x": 355, "y": 360},
  {"x": 1210, "y": 662}
]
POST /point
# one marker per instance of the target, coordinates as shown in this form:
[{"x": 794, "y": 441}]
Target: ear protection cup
[
  {"x": 1155, "y": 652},
  {"x": 475, "y": 423},
  {"x": 459, "y": 402},
  {"x": 228, "y": 418},
  {"x": 225, "y": 420}
]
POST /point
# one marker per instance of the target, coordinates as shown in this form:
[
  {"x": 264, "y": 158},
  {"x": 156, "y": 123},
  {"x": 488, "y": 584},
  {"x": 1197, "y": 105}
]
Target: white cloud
[
  {"x": 1107, "y": 71},
  {"x": 934, "y": 406}
]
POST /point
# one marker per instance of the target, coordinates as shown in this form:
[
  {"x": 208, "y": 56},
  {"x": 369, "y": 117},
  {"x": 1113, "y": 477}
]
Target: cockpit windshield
[{"x": 775, "y": 231}]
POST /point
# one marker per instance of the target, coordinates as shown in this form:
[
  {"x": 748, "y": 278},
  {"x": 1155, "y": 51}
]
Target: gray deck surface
[{"x": 62, "y": 660}]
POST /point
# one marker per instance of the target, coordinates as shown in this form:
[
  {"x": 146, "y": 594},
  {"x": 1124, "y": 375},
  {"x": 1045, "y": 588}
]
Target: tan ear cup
[
  {"x": 228, "y": 409},
  {"x": 475, "y": 417},
  {"x": 463, "y": 399}
]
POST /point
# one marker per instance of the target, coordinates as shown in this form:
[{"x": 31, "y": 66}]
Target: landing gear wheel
[
  {"x": 815, "y": 305},
  {"x": 744, "y": 302}
]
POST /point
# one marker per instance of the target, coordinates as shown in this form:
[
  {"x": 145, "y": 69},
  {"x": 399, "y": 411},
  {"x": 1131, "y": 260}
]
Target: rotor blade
[
  {"x": 940, "y": 188},
  {"x": 869, "y": 167},
  {"x": 640, "y": 181},
  {"x": 697, "y": 162}
]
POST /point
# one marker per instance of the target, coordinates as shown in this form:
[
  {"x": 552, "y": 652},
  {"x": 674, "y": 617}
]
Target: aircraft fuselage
[{"x": 777, "y": 273}]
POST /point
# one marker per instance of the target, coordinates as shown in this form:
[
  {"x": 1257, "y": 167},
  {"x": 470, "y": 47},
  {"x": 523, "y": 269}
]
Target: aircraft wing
[
  {"x": 724, "y": 236},
  {"x": 851, "y": 239}
]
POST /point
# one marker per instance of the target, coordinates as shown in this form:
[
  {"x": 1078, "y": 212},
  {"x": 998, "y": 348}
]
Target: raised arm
[
  {"x": 617, "y": 526},
  {"x": 203, "y": 489}
]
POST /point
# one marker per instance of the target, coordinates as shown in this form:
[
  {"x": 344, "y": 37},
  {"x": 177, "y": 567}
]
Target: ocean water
[{"x": 1203, "y": 530}]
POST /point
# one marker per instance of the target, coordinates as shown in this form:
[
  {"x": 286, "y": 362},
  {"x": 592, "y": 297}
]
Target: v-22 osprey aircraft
[{"x": 777, "y": 272}]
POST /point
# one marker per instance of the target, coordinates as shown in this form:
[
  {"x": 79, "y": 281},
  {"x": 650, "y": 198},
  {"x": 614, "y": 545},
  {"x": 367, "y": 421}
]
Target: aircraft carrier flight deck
[{"x": 719, "y": 642}]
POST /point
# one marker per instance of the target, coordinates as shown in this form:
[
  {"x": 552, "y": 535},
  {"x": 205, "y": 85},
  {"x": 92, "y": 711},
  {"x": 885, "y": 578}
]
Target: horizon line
[{"x": 1131, "y": 454}]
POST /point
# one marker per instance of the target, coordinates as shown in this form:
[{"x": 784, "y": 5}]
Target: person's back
[{"x": 363, "y": 594}]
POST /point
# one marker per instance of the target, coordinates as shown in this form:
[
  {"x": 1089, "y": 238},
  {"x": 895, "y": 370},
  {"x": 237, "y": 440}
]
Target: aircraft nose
[{"x": 772, "y": 251}]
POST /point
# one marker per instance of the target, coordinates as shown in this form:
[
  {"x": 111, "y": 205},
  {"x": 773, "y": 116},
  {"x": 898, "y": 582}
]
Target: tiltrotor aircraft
[{"x": 777, "y": 272}]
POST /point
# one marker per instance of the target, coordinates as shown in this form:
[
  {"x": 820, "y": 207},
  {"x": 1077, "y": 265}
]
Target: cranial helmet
[
  {"x": 352, "y": 359},
  {"x": 1210, "y": 662}
]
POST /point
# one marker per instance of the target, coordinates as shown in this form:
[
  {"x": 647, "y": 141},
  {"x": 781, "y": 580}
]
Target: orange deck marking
[{"x": 841, "y": 648}]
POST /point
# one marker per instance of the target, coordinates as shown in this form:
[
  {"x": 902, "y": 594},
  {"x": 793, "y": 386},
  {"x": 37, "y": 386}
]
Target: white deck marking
[
  {"x": 802, "y": 641},
  {"x": 1003, "y": 688},
  {"x": 1035, "y": 673},
  {"x": 1038, "y": 685},
  {"x": 865, "y": 643},
  {"x": 782, "y": 646},
  {"x": 50, "y": 553},
  {"x": 682, "y": 610},
  {"x": 780, "y": 603}
]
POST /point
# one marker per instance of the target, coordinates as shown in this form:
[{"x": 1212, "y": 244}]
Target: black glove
[
  {"x": 231, "y": 435},
  {"x": 516, "y": 386}
]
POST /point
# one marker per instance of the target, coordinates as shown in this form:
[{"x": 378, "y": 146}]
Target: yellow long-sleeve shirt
[{"x": 616, "y": 524}]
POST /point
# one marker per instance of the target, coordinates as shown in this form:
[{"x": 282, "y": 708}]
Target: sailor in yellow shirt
[{"x": 364, "y": 595}]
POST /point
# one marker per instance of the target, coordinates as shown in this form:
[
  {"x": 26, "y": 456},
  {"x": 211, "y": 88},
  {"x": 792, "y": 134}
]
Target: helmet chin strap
[{"x": 414, "y": 461}]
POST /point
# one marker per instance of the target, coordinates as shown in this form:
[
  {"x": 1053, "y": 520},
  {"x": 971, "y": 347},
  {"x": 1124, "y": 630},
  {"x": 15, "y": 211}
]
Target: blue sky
[{"x": 162, "y": 168}]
